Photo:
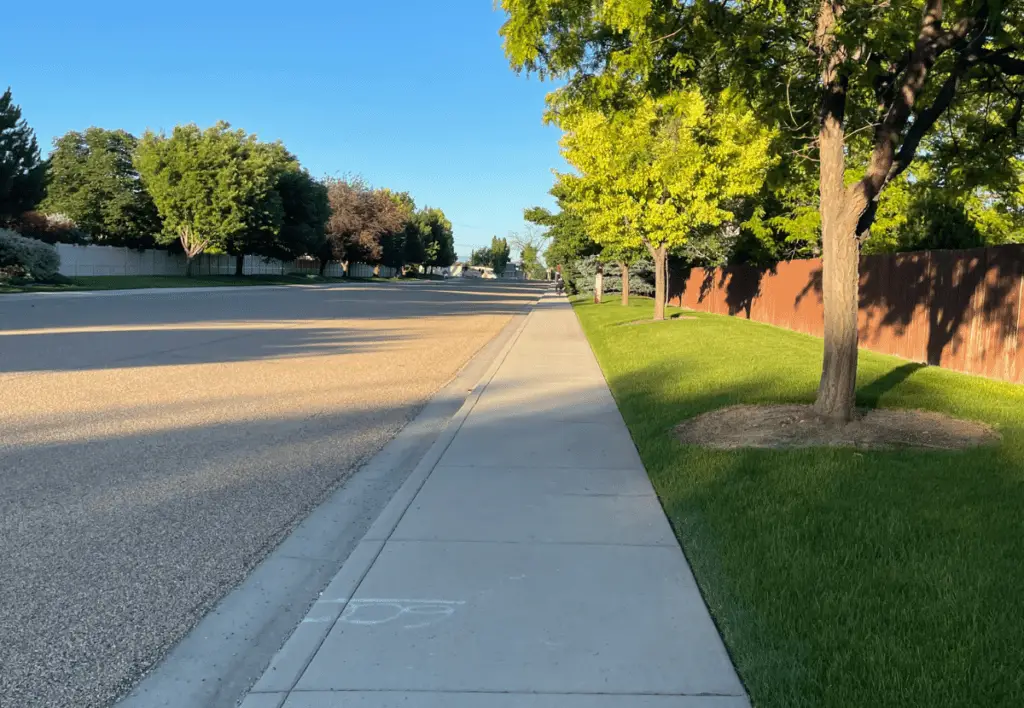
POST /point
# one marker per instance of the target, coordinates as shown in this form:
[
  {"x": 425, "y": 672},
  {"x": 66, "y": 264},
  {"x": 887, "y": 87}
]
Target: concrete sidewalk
[{"x": 525, "y": 564}]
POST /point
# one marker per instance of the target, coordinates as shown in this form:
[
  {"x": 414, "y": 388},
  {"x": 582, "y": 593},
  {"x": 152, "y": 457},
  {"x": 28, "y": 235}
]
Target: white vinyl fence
[{"x": 112, "y": 260}]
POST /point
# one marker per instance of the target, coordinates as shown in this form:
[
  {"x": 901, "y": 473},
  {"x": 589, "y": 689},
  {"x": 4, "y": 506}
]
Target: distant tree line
[
  {"x": 496, "y": 256},
  {"x": 219, "y": 190}
]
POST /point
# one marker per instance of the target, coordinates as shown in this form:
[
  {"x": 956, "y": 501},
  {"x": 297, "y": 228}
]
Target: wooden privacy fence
[{"x": 957, "y": 309}]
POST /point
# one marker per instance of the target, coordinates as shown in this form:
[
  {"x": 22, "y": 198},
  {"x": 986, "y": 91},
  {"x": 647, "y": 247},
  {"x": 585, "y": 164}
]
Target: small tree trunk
[
  {"x": 599, "y": 284},
  {"x": 240, "y": 264},
  {"x": 660, "y": 256},
  {"x": 192, "y": 245},
  {"x": 625, "y": 283}
]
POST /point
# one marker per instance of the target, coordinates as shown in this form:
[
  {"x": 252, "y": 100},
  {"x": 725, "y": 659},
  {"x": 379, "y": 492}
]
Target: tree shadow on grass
[{"x": 872, "y": 393}]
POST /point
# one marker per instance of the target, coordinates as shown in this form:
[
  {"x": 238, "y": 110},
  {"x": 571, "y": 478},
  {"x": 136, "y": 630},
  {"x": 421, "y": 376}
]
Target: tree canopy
[
  {"x": 438, "y": 238},
  {"x": 662, "y": 174},
  {"x": 22, "y": 172},
  {"x": 568, "y": 241},
  {"x": 94, "y": 182},
  {"x": 212, "y": 187},
  {"x": 305, "y": 210},
  {"x": 501, "y": 254},
  {"x": 402, "y": 245},
  {"x": 482, "y": 256},
  {"x": 360, "y": 216}
]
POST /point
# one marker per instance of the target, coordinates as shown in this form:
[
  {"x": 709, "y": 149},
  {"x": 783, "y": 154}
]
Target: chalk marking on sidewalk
[{"x": 435, "y": 610}]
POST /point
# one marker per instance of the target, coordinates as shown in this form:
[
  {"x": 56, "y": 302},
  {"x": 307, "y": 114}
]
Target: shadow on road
[{"x": 75, "y": 334}]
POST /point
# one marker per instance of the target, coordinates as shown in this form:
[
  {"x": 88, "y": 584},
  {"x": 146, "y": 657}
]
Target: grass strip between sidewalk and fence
[{"x": 838, "y": 577}]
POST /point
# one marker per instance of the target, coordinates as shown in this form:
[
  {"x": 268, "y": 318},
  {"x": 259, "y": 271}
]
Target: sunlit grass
[{"x": 838, "y": 577}]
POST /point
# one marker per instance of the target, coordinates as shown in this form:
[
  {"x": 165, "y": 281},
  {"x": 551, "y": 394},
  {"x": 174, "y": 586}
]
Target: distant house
[
  {"x": 485, "y": 272},
  {"x": 513, "y": 271}
]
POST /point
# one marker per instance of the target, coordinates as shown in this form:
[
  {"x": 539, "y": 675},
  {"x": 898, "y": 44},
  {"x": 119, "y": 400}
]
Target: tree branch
[
  {"x": 924, "y": 121},
  {"x": 931, "y": 42},
  {"x": 1007, "y": 64}
]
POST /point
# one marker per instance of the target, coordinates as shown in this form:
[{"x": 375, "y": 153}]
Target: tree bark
[
  {"x": 840, "y": 212},
  {"x": 625, "y": 283},
  {"x": 660, "y": 258},
  {"x": 192, "y": 245},
  {"x": 240, "y": 264},
  {"x": 659, "y": 254},
  {"x": 323, "y": 266},
  {"x": 599, "y": 284},
  {"x": 848, "y": 212},
  {"x": 840, "y": 279}
]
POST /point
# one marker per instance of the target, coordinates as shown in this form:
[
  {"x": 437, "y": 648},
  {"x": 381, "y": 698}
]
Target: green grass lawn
[
  {"x": 837, "y": 577},
  {"x": 134, "y": 282}
]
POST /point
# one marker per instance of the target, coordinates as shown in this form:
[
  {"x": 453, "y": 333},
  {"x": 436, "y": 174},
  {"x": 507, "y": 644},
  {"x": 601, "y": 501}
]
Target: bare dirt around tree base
[{"x": 794, "y": 426}]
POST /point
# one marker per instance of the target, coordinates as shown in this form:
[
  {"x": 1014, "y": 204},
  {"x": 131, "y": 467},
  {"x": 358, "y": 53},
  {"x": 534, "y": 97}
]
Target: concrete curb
[
  {"x": 289, "y": 663},
  {"x": 220, "y": 658},
  {"x": 386, "y": 523}
]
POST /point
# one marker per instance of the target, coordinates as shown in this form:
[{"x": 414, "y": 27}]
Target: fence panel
[{"x": 957, "y": 309}]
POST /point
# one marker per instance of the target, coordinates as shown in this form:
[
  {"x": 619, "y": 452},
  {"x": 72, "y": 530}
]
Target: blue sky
[{"x": 411, "y": 94}]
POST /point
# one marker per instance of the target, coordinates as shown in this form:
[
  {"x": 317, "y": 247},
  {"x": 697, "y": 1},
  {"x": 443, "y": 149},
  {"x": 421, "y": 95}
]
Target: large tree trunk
[
  {"x": 599, "y": 284},
  {"x": 625, "y": 283},
  {"x": 839, "y": 216},
  {"x": 847, "y": 212},
  {"x": 189, "y": 260},
  {"x": 323, "y": 266},
  {"x": 240, "y": 264},
  {"x": 840, "y": 278}
]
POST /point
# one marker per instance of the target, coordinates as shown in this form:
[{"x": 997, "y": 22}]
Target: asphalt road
[{"x": 154, "y": 447}]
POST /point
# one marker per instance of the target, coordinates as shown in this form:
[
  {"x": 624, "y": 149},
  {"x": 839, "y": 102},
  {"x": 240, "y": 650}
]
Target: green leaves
[
  {"x": 94, "y": 182},
  {"x": 219, "y": 183},
  {"x": 500, "y": 255},
  {"x": 22, "y": 173},
  {"x": 438, "y": 238},
  {"x": 664, "y": 171}
]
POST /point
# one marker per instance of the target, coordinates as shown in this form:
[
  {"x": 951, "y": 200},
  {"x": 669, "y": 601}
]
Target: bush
[
  {"x": 641, "y": 277},
  {"x": 29, "y": 258},
  {"x": 51, "y": 228}
]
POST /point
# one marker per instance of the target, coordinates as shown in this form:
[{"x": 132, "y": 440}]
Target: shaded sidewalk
[{"x": 525, "y": 563}]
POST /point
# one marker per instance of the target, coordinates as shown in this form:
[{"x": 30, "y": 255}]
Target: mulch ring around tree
[{"x": 796, "y": 426}]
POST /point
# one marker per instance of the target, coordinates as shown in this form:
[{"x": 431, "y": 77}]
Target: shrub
[
  {"x": 641, "y": 277},
  {"x": 51, "y": 228},
  {"x": 22, "y": 257}
]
